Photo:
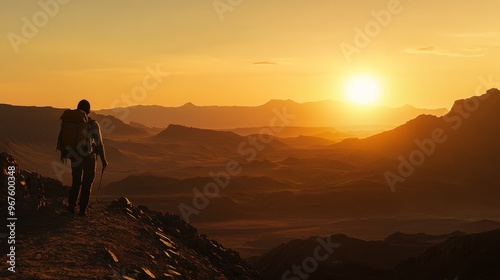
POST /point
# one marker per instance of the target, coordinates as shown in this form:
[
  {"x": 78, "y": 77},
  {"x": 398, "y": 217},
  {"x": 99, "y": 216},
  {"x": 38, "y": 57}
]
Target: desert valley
[{"x": 414, "y": 176}]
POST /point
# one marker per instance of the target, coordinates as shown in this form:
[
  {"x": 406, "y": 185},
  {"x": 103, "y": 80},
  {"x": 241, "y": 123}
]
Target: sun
[{"x": 362, "y": 90}]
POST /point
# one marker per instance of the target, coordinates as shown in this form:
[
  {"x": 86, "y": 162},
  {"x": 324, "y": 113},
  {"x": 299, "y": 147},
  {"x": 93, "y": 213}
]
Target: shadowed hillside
[
  {"x": 212, "y": 142},
  {"x": 473, "y": 256},
  {"x": 398, "y": 257}
]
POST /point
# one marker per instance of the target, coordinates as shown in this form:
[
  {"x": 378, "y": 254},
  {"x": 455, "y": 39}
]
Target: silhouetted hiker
[{"x": 80, "y": 140}]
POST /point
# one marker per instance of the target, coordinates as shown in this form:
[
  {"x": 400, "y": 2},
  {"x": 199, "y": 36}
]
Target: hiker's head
[{"x": 84, "y": 105}]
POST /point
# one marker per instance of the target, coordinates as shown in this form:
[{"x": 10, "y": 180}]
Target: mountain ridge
[{"x": 327, "y": 113}]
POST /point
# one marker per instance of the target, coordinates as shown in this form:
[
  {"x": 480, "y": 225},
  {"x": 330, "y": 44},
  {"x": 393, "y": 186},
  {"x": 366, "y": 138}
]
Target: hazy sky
[{"x": 428, "y": 53}]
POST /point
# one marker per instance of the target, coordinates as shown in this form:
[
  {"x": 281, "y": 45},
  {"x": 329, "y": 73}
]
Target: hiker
[{"x": 80, "y": 140}]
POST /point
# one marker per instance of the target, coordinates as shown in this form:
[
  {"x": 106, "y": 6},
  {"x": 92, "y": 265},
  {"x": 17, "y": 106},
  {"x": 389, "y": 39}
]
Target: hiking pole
[{"x": 100, "y": 181}]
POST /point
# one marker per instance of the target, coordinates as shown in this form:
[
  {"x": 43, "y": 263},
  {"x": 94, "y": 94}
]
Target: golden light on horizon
[{"x": 362, "y": 90}]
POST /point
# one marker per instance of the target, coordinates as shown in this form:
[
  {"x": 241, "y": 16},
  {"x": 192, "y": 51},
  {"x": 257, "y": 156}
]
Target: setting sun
[{"x": 362, "y": 90}]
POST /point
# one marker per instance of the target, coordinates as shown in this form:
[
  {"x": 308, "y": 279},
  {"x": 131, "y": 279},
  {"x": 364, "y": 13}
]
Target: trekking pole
[{"x": 100, "y": 181}]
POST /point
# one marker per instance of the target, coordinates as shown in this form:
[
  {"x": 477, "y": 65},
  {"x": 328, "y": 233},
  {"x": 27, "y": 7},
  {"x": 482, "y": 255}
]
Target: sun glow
[{"x": 362, "y": 90}]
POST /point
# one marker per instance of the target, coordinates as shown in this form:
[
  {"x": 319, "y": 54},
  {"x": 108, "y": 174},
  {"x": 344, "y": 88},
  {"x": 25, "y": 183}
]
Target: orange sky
[{"x": 428, "y": 54}]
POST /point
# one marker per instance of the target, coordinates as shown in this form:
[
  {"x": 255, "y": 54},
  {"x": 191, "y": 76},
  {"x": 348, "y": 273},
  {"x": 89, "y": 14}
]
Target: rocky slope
[{"x": 116, "y": 240}]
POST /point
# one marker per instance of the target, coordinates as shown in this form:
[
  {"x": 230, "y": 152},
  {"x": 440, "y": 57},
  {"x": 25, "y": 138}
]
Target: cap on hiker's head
[{"x": 84, "y": 105}]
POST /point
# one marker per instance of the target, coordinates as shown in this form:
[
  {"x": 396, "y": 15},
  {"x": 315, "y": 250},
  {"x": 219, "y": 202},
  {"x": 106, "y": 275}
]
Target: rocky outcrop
[{"x": 31, "y": 188}]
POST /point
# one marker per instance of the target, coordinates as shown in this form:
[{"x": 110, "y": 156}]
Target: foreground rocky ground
[{"x": 115, "y": 241}]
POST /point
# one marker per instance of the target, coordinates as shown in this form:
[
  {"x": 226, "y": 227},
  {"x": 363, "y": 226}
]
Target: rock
[
  {"x": 33, "y": 191},
  {"x": 121, "y": 204},
  {"x": 167, "y": 276},
  {"x": 173, "y": 273},
  {"x": 124, "y": 202},
  {"x": 131, "y": 216},
  {"x": 200, "y": 247},
  {"x": 146, "y": 274},
  {"x": 111, "y": 256},
  {"x": 142, "y": 209},
  {"x": 7, "y": 160},
  {"x": 168, "y": 244}
]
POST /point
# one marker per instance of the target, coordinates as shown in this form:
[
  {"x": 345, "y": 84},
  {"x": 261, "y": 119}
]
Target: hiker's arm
[
  {"x": 59, "y": 141},
  {"x": 102, "y": 153},
  {"x": 100, "y": 150}
]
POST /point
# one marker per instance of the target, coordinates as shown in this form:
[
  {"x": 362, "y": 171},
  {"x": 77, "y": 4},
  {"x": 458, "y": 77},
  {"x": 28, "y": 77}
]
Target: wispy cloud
[
  {"x": 432, "y": 50},
  {"x": 265, "y": 62},
  {"x": 276, "y": 61}
]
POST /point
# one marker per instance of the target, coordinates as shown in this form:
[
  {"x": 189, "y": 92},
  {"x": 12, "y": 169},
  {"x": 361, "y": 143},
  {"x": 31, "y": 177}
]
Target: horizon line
[{"x": 248, "y": 106}]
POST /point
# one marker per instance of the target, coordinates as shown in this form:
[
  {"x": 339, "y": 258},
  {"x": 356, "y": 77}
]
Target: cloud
[
  {"x": 432, "y": 50},
  {"x": 265, "y": 62},
  {"x": 276, "y": 61}
]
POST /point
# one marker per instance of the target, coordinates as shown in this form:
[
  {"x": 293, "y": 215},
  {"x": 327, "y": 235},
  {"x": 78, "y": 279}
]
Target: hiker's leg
[
  {"x": 76, "y": 172},
  {"x": 89, "y": 165}
]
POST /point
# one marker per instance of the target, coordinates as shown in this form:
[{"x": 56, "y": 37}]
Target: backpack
[{"x": 73, "y": 134}]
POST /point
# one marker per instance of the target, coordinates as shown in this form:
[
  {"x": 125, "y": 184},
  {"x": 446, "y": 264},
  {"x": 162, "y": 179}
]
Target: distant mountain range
[
  {"x": 399, "y": 257},
  {"x": 312, "y": 114}
]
